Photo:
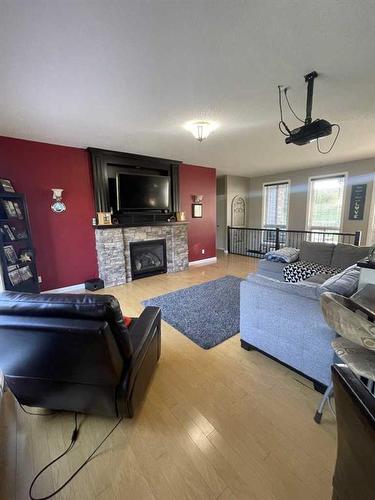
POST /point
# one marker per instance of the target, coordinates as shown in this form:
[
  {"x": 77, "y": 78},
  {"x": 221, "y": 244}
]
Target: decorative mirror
[{"x": 238, "y": 211}]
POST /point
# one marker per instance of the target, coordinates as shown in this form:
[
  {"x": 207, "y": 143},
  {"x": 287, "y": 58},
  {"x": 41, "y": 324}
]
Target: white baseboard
[
  {"x": 203, "y": 262},
  {"x": 73, "y": 288}
]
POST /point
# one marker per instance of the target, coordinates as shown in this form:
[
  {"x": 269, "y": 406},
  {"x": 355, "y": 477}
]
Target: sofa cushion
[
  {"x": 286, "y": 254},
  {"x": 302, "y": 289},
  {"x": 347, "y": 255},
  {"x": 301, "y": 270},
  {"x": 318, "y": 279},
  {"x": 272, "y": 269},
  {"x": 321, "y": 253},
  {"x": 344, "y": 283}
]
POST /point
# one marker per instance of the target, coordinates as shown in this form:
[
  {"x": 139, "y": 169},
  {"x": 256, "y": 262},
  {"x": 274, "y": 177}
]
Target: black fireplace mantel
[
  {"x": 142, "y": 224},
  {"x": 104, "y": 163}
]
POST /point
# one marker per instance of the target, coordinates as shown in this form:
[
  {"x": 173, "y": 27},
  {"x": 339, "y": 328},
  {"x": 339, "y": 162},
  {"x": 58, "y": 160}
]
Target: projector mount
[
  {"x": 310, "y": 130},
  {"x": 310, "y": 91}
]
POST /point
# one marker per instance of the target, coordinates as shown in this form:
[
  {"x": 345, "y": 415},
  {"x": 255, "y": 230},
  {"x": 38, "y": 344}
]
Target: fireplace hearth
[{"x": 148, "y": 258}]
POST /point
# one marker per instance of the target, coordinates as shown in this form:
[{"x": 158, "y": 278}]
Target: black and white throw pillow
[{"x": 301, "y": 270}]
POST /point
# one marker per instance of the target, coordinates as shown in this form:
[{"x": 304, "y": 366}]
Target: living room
[{"x": 187, "y": 234}]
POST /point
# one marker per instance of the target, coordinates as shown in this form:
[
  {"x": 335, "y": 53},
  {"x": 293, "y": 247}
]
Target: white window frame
[
  {"x": 271, "y": 183},
  {"x": 309, "y": 195}
]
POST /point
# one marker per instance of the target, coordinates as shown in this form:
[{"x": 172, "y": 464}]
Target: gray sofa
[
  {"x": 284, "y": 320},
  {"x": 336, "y": 257}
]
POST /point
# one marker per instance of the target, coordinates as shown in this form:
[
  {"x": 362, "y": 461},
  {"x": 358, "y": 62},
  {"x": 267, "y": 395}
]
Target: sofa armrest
[
  {"x": 285, "y": 320},
  {"x": 271, "y": 269},
  {"x": 145, "y": 337},
  {"x": 142, "y": 330}
]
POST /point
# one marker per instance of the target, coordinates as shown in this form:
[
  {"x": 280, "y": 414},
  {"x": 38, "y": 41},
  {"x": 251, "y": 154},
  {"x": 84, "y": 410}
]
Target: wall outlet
[
  {"x": 203, "y": 251},
  {"x": 39, "y": 279}
]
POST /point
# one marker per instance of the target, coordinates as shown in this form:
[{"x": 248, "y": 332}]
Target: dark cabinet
[{"x": 17, "y": 253}]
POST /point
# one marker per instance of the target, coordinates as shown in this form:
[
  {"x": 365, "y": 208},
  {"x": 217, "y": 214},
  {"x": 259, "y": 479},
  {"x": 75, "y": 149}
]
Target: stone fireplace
[{"x": 114, "y": 250}]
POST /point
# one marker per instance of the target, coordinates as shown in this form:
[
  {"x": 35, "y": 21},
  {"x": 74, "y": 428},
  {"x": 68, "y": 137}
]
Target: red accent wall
[
  {"x": 202, "y": 232},
  {"x": 64, "y": 243}
]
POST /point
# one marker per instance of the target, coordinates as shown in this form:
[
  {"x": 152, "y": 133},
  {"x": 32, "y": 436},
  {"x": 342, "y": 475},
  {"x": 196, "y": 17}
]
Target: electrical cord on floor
[
  {"x": 36, "y": 414},
  {"x": 73, "y": 441}
]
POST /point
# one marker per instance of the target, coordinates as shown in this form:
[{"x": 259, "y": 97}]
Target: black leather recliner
[
  {"x": 74, "y": 352},
  {"x": 355, "y": 414}
]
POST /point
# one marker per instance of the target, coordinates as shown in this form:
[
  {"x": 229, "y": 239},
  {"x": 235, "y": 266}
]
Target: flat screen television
[{"x": 142, "y": 192}]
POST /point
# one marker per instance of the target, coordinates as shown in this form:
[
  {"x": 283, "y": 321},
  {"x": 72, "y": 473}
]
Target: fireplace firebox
[{"x": 148, "y": 258}]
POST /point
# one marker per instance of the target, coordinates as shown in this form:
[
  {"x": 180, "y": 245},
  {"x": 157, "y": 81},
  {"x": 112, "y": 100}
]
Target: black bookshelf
[{"x": 17, "y": 253}]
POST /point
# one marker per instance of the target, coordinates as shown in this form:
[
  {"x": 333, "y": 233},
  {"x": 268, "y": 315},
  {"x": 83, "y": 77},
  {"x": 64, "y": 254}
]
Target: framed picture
[
  {"x": 197, "y": 210},
  {"x": 6, "y": 186},
  {"x": 104, "y": 218}
]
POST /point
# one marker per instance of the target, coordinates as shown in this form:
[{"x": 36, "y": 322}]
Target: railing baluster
[
  {"x": 277, "y": 239},
  {"x": 255, "y": 242}
]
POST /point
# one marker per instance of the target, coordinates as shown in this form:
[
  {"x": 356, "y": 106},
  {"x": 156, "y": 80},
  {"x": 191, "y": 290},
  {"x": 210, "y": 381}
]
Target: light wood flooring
[{"x": 218, "y": 424}]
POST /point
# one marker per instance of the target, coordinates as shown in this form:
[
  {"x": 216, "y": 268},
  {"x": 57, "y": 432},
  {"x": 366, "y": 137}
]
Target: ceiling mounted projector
[{"x": 310, "y": 130}]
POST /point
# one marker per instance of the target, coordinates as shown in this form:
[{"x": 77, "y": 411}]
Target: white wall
[
  {"x": 250, "y": 188},
  {"x": 359, "y": 172}
]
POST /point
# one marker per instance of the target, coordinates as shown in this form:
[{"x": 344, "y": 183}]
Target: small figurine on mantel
[
  {"x": 181, "y": 217},
  {"x": 104, "y": 218}
]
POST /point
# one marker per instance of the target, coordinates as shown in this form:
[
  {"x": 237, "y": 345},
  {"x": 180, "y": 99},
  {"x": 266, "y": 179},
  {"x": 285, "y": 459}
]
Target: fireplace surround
[{"x": 113, "y": 249}]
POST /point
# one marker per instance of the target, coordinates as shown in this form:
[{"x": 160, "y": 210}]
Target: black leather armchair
[{"x": 74, "y": 352}]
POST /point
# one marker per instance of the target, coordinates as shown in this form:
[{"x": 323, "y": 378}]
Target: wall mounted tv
[{"x": 143, "y": 192}]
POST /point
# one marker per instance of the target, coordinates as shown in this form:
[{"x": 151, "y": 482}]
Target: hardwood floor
[{"x": 218, "y": 424}]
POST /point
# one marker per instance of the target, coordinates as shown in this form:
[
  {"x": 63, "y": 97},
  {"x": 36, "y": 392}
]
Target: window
[
  {"x": 326, "y": 199},
  {"x": 275, "y": 205}
]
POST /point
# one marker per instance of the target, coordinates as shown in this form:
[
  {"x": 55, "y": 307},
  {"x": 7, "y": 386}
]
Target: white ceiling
[{"x": 126, "y": 75}]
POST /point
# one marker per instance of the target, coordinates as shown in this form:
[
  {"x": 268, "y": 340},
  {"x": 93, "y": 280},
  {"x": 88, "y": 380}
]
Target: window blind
[
  {"x": 326, "y": 203},
  {"x": 276, "y": 201}
]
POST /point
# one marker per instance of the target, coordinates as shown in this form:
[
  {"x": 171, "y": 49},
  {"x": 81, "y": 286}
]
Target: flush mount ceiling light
[{"x": 201, "y": 129}]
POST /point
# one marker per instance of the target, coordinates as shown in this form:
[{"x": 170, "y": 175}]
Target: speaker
[{"x": 94, "y": 284}]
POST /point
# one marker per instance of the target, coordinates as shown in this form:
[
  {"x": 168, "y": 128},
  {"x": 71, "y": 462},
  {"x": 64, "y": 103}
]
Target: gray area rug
[{"x": 207, "y": 314}]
